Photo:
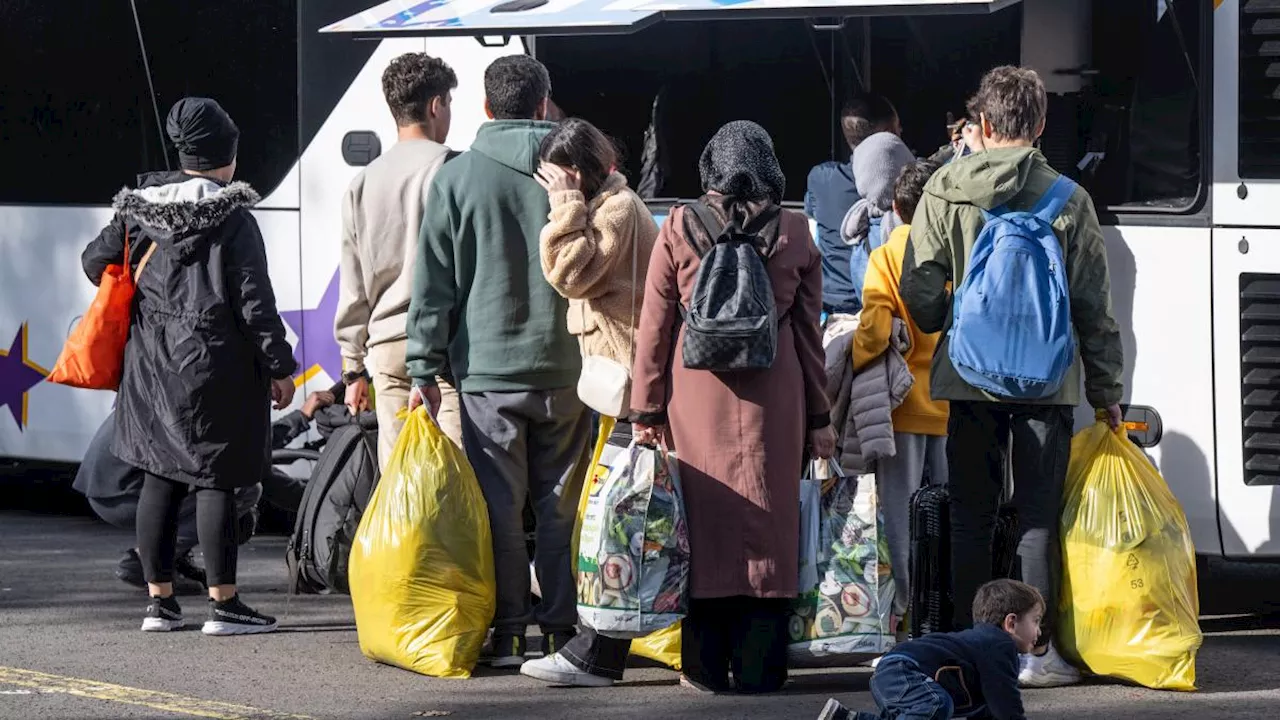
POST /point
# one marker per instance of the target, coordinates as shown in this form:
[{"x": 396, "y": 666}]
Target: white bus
[{"x": 1165, "y": 110}]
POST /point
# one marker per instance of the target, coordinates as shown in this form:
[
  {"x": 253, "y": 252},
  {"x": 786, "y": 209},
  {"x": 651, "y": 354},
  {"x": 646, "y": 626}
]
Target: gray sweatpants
[
  {"x": 897, "y": 479},
  {"x": 530, "y": 445}
]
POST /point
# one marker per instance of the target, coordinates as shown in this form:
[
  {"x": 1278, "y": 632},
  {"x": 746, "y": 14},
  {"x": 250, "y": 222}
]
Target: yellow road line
[{"x": 156, "y": 700}]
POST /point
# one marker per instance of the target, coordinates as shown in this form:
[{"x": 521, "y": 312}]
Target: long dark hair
[{"x": 576, "y": 143}]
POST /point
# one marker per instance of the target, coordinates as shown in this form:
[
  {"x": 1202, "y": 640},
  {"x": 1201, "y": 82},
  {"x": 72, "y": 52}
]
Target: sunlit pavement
[{"x": 70, "y": 648}]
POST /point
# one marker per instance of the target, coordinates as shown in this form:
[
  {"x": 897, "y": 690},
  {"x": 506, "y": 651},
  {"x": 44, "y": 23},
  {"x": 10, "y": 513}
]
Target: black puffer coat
[{"x": 206, "y": 340}]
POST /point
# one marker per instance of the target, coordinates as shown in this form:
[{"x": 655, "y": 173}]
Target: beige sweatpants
[{"x": 391, "y": 386}]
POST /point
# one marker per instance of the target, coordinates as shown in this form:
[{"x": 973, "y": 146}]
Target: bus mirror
[
  {"x": 360, "y": 147},
  {"x": 1143, "y": 425},
  {"x": 493, "y": 41}
]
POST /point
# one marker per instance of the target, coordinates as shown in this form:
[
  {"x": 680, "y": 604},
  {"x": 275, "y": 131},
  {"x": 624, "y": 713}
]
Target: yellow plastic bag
[
  {"x": 1129, "y": 605},
  {"x": 422, "y": 578},
  {"x": 662, "y": 646}
]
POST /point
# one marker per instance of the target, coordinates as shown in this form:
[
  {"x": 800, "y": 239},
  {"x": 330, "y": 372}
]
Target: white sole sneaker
[
  {"x": 510, "y": 662},
  {"x": 162, "y": 625},
  {"x": 556, "y": 671},
  {"x": 223, "y": 629}
]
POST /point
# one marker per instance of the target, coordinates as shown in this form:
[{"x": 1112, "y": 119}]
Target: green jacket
[
  {"x": 943, "y": 231},
  {"x": 480, "y": 305}
]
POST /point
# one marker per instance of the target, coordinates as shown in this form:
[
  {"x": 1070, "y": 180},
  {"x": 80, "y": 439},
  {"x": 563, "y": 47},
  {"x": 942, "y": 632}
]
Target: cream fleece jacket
[
  {"x": 586, "y": 250},
  {"x": 381, "y": 218}
]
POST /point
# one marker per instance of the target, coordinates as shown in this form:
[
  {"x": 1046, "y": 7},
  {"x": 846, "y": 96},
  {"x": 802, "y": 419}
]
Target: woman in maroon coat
[{"x": 739, "y": 436}]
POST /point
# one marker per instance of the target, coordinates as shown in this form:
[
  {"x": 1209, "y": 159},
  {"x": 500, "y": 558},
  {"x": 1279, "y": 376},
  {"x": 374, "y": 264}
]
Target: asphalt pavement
[{"x": 70, "y": 648}]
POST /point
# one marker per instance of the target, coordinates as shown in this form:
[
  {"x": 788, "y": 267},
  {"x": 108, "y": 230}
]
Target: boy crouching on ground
[{"x": 972, "y": 673}]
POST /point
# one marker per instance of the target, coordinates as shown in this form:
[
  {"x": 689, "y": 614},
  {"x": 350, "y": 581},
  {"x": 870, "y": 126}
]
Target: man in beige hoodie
[{"x": 381, "y": 217}]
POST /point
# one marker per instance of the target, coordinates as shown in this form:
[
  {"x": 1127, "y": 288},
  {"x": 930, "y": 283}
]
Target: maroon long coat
[{"x": 740, "y": 436}]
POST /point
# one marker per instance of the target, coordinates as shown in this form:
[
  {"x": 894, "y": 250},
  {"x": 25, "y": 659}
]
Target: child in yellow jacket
[{"x": 919, "y": 423}]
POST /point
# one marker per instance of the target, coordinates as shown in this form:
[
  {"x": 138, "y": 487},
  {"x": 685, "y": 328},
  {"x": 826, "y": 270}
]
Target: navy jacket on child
[{"x": 978, "y": 668}]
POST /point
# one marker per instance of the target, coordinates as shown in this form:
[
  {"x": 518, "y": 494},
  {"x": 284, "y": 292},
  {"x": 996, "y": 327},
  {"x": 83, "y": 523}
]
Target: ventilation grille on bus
[
  {"x": 1259, "y": 142},
  {"x": 1260, "y": 373}
]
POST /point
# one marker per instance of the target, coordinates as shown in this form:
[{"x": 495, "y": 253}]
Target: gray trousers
[
  {"x": 530, "y": 446},
  {"x": 897, "y": 479}
]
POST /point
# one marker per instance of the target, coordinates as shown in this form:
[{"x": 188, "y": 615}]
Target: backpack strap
[
  {"x": 1055, "y": 199},
  {"x": 709, "y": 222}
]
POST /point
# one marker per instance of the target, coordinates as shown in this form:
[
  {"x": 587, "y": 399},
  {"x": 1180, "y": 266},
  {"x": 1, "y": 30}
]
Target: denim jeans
[
  {"x": 979, "y": 434},
  {"x": 902, "y": 692}
]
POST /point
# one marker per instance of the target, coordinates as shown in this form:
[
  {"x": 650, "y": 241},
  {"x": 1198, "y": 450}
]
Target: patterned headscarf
[
  {"x": 744, "y": 186},
  {"x": 740, "y": 161}
]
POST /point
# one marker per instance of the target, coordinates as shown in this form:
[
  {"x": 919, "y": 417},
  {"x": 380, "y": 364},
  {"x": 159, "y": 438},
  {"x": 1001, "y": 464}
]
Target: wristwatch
[{"x": 351, "y": 376}]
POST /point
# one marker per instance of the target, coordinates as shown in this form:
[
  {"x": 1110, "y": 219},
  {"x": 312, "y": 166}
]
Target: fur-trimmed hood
[{"x": 176, "y": 209}]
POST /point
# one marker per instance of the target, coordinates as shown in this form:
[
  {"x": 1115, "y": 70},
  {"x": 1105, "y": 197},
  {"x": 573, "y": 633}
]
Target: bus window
[
  {"x": 686, "y": 79},
  {"x": 242, "y": 53},
  {"x": 1259, "y": 156},
  {"x": 76, "y": 121},
  {"x": 1142, "y": 108}
]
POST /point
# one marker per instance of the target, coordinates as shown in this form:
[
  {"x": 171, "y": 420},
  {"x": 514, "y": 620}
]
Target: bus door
[{"x": 1246, "y": 273}]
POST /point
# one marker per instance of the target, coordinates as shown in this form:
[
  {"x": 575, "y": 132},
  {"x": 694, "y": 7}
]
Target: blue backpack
[{"x": 1011, "y": 332}]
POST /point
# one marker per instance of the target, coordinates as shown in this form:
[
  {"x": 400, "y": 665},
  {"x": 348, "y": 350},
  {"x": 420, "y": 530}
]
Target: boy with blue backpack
[{"x": 1031, "y": 310}]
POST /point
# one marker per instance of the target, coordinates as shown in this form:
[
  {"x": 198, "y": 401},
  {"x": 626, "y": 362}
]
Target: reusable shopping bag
[
  {"x": 1129, "y": 605},
  {"x": 93, "y": 356},
  {"x": 848, "y": 619},
  {"x": 421, "y": 568},
  {"x": 633, "y": 552},
  {"x": 810, "y": 521},
  {"x": 662, "y": 646}
]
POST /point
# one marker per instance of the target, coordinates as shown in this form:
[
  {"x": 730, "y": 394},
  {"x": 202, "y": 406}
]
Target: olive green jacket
[{"x": 946, "y": 225}]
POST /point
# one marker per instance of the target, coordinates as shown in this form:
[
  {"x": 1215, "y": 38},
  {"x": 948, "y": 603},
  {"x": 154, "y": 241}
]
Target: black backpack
[
  {"x": 332, "y": 505},
  {"x": 732, "y": 321}
]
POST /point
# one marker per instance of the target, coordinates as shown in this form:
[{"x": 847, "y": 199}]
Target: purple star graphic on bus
[
  {"x": 17, "y": 376},
  {"x": 317, "y": 350}
]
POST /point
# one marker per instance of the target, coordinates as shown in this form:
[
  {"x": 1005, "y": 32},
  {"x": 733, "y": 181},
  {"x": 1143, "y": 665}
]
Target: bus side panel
[
  {"x": 1250, "y": 515},
  {"x": 1160, "y": 285},
  {"x": 43, "y": 288}
]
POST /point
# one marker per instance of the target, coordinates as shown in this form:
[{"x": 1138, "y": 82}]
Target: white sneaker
[
  {"x": 556, "y": 670},
  {"x": 1046, "y": 671}
]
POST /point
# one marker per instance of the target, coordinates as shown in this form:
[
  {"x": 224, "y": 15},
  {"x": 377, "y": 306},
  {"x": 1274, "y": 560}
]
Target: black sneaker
[
  {"x": 508, "y": 651},
  {"x": 232, "y": 617},
  {"x": 186, "y": 568},
  {"x": 554, "y": 642},
  {"x": 188, "y": 579},
  {"x": 163, "y": 615}
]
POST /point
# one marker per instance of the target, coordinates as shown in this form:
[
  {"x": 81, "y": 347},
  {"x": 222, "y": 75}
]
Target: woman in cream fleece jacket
[
  {"x": 597, "y": 226},
  {"x": 595, "y": 252}
]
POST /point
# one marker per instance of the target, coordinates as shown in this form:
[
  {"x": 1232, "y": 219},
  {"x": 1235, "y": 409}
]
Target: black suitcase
[
  {"x": 931, "y": 604},
  {"x": 929, "y": 607}
]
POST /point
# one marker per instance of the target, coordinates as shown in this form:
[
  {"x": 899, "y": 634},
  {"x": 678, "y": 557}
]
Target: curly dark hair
[
  {"x": 909, "y": 187},
  {"x": 409, "y": 83},
  {"x": 515, "y": 86}
]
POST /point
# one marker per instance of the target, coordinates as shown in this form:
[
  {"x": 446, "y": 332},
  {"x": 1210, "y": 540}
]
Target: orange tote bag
[{"x": 93, "y": 356}]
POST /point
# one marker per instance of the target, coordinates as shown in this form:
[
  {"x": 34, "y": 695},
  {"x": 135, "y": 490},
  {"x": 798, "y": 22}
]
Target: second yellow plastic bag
[
  {"x": 422, "y": 579},
  {"x": 1129, "y": 605},
  {"x": 662, "y": 646}
]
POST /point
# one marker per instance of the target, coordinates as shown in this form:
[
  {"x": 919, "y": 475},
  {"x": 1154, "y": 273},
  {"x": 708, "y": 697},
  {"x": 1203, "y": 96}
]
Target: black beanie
[{"x": 203, "y": 133}]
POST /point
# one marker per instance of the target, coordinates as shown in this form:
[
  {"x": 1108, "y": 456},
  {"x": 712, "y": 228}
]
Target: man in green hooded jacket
[
  {"x": 482, "y": 308},
  {"x": 1006, "y": 169}
]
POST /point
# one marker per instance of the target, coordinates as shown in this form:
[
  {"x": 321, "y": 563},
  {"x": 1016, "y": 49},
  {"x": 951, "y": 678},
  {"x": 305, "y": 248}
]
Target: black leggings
[{"x": 157, "y": 525}]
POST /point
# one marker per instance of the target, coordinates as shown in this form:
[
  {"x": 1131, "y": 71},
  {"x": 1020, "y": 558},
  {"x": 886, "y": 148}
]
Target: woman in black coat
[{"x": 206, "y": 355}]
